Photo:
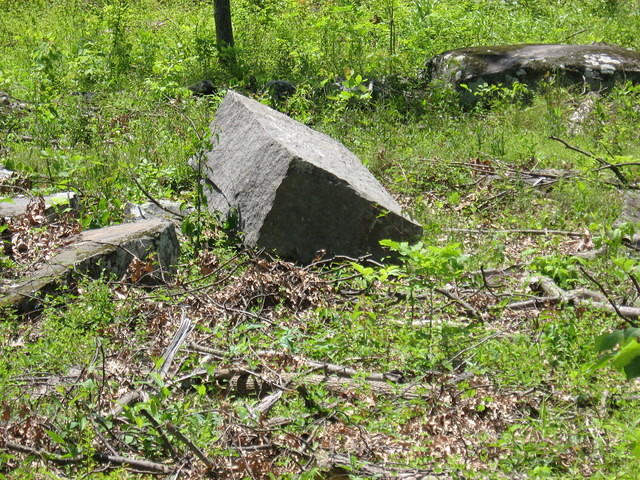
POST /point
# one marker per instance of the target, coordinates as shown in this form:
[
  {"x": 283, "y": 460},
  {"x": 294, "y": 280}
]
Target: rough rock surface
[
  {"x": 96, "y": 252},
  {"x": 296, "y": 191},
  {"x": 596, "y": 66},
  {"x": 172, "y": 211},
  {"x": 10, "y": 207},
  {"x": 630, "y": 213}
]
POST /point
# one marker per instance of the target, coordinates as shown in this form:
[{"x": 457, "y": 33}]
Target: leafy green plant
[
  {"x": 563, "y": 270},
  {"x": 428, "y": 265},
  {"x": 621, "y": 350}
]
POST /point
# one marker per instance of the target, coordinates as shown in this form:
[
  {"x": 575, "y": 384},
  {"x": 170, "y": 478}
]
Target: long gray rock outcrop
[
  {"x": 107, "y": 250},
  {"x": 596, "y": 66},
  {"x": 296, "y": 191}
]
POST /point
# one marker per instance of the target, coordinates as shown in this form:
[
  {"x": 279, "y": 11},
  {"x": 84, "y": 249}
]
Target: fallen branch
[
  {"x": 606, "y": 295},
  {"x": 190, "y": 445},
  {"x": 241, "y": 382},
  {"x": 99, "y": 457},
  {"x": 325, "y": 367},
  {"x": 153, "y": 200},
  {"x": 614, "y": 168},
  {"x": 138, "y": 395},
  {"x": 517, "y": 231},
  {"x": 342, "y": 466},
  {"x": 579, "y": 296},
  {"x": 468, "y": 309}
]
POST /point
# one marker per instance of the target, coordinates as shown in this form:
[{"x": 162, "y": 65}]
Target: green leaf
[
  {"x": 626, "y": 355},
  {"x": 609, "y": 340},
  {"x": 632, "y": 370},
  {"x": 603, "y": 360},
  {"x": 56, "y": 437},
  {"x": 636, "y": 450}
]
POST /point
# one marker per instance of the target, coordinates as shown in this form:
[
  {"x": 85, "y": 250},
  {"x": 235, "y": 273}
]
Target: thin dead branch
[
  {"x": 99, "y": 457},
  {"x": 614, "y": 168},
  {"x": 517, "y": 231},
  {"x": 341, "y": 466},
  {"x": 579, "y": 296},
  {"x": 604, "y": 292}
]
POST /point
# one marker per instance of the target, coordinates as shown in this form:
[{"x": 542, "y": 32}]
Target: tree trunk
[{"x": 224, "y": 31}]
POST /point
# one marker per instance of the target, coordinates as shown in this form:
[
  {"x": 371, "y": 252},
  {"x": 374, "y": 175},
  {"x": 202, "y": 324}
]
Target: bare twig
[
  {"x": 579, "y": 296},
  {"x": 160, "y": 431},
  {"x": 468, "y": 308},
  {"x": 614, "y": 168},
  {"x": 517, "y": 231},
  {"x": 604, "y": 292},
  {"x": 634, "y": 280},
  {"x": 190, "y": 445},
  {"x": 99, "y": 457},
  {"x": 152, "y": 199}
]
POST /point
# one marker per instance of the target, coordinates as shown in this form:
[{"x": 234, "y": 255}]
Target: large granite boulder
[
  {"x": 296, "y": 191},
  {"x": 595, "y": 66}
]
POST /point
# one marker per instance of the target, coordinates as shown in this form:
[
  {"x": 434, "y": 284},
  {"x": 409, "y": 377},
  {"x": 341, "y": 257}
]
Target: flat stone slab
[
  {"x": 597, "y": 66},
  {"x": 107, "y": 250},
  {"x": 14, "y": 206},
  {"x": 295, "y": 191}
]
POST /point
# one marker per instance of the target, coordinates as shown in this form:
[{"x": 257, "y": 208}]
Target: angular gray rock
[
  {"x": 296, "y": 191},
  {"x": 596, "y": 66},
  {"x": 106, "y": 250}
]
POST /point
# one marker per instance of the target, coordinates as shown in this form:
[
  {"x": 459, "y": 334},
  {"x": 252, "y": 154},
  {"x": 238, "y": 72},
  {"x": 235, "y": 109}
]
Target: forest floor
[{"x": 478, "y": 356}]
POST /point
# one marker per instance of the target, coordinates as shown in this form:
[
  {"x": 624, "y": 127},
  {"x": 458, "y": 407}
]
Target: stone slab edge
[{"x": 93, "y": 249}]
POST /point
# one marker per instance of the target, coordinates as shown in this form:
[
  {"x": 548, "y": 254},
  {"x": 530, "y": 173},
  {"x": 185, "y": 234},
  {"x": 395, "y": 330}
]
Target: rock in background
[
  {"x": 296, "y": 191},
  {"x": 596, "y": 66}
]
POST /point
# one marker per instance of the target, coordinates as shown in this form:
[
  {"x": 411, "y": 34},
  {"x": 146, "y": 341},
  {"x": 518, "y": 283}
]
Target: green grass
[{"x": 102, "y": 90}]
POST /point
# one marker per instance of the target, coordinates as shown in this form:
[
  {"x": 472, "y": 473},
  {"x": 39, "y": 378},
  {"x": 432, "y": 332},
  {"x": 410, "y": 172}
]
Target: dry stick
[
  {"x": 634, "y": 280},
  {"x": 160, "y": 430},
  {"x": 98, "y": 457},
  {"x": 153, "y": 200},
  {"x": 522, "y": 231},
  {"x": 475, "y": 345},
  {"x": 243, "y": 382},
  {"x": 556, "y": 295},
  {"x": 342, "y": 466},
  {"x": 624, "y": 164},
  {"x": 611, "y": 302},
  {"x": 266, "y": 404},
  {"x": 100, "y": 420},
  {"x": 601, "y": 161},
  {"x": 137, "y": 395},
  {"x": 190, "y": 445},
  {"x": 327, "y": 368},
  {"x": 101, "y": 437},
  {"x": 469, "y": 310}
]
